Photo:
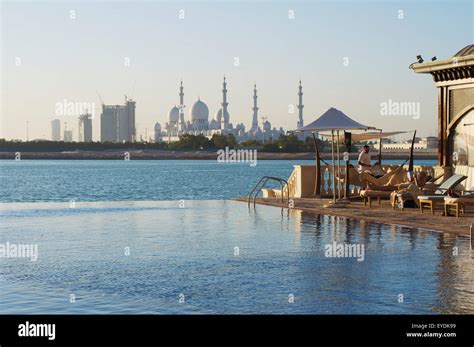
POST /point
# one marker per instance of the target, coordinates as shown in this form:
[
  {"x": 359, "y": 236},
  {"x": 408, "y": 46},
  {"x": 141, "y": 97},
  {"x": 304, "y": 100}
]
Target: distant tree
[
  {"x": 270, "y": 147},
  {"x": 219, "y": 141},
  {"x": 285, "y": 143},
  {"x": 250, "y": 143},
  {"x": 231, "y": 141},
  {"x": 188, "y": 141}
]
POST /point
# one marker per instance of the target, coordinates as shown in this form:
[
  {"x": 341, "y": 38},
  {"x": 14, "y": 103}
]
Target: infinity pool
[{"x": 222, "y": 257}]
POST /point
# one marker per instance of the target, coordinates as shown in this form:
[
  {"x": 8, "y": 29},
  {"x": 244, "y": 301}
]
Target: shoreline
[{"x": 190, "y": 155}]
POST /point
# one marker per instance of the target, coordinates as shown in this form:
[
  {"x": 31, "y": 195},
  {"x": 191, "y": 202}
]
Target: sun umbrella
[{"x": 334, "y": 121}]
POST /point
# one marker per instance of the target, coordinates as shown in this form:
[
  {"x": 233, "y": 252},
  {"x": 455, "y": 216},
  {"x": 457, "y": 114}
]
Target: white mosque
[{"x": 199, "y": 122}]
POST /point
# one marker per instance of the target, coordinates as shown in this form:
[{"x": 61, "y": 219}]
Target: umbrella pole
[
  {"x": 380, "y": 149},
  {"x": 338, "y": 168},
  {"x": 317, "y": 183},
  {"x": 333, "y": 168},
  {"x": 410, "y": 164}
]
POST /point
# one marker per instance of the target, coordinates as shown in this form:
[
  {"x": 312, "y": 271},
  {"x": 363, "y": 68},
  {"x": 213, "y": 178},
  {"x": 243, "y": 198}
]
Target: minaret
[
  {"x": 300, "y": 107},
  {"x": 255, "y": 109},
  {"x": 181, "y": 106},
  {"x": 225, "y": 118}
]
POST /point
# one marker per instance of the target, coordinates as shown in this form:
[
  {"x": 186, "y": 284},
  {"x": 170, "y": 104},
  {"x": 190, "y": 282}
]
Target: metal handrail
[{"x": 265, "y": 179}]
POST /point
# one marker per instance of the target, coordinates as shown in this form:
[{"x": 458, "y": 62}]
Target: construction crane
[
  {"x": 100, "y": 98},
  {"x": 133, "y": 89}
]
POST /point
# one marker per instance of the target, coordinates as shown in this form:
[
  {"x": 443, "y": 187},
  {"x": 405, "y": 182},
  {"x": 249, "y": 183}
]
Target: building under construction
[{"x": 117, "y": 122}]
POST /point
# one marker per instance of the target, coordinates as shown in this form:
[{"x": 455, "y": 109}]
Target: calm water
[
  {"x": 216, "y": 255},
  {"x": 191, "y": 251},
  {"x": 111, "y": 180}
]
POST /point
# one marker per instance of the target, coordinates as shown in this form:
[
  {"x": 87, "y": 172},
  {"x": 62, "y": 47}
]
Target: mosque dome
[
  {"x": 214, "y": 124},
  {"x": 267, "y": 126},
  {"x": 199, "y": 112},
  {"x": 219, "y": 116},
  {"x": 468, "y": 50},
  {"x": 174, "y": 115},
  {"x": 157, "y": 127}
]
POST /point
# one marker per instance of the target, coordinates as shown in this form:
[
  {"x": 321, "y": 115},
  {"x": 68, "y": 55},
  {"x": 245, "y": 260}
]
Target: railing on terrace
[{"x": 295, "y": 183}]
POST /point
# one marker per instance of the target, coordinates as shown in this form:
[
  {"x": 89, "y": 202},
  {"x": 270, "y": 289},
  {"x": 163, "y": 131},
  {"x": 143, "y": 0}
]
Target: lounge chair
[
  {"x": 409, "y": 195},
  {"x": 385, "y": 185},
  {"x": 377, "y": 177},
  {"x": 367, "y": 195},
  {"x": 458, "y": 204},
  {"x": 394, "y": 177},
  {"x": 440, "y": 193}
]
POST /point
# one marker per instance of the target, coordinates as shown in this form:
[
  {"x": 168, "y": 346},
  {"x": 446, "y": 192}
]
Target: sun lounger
[
  {"x": 368, "y": 195},
  {"x": 403, "y": 198},
  {"x": 394, "y": 177},
  {"x": 458, "y": 204},
  {"x": 440, "y": 193}
]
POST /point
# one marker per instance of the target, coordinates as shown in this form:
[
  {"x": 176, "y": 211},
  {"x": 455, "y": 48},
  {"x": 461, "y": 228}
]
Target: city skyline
[{"x": 355, "y": 62}]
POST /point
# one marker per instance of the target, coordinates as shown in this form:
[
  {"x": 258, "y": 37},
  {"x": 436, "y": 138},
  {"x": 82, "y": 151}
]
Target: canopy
[
  {"x": 367, "y": 136},
  {"x": 334, "y": 119}
]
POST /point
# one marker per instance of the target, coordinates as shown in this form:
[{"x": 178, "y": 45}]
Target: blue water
[
  {"x": 112, "y": 180},
  {"x": 188, "y": 242},
  {"x": 190, "y": 251}
]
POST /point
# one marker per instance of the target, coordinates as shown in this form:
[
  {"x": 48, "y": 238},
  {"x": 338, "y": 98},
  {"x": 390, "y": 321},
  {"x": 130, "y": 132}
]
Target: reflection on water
[
  {"x": 453, "y": 274},
  {"x": 191, "y": 251}
]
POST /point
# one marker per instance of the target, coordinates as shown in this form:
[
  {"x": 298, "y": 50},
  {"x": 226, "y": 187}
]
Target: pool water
[{"x": 219, "y": 256}]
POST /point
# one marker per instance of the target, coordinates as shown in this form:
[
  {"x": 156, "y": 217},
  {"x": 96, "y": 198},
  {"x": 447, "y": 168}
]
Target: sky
[{"x": 351, "y": 55}]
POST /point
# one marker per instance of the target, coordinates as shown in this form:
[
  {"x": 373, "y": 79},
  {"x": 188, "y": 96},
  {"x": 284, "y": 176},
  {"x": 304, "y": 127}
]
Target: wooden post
[
  {"x": 380, "y": 149},
  {"x": 338, "y": 169},
  {"x": 410, "y": 164},
  {"x": 317, "y": 183},
  {"x": 333, "y": 168},
  {"x": 347, "y": 192},
  {"x": 472, "y": 237}
]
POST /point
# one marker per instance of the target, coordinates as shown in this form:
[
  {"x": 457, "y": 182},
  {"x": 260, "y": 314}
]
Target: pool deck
[{"x": 410, "y": 217}]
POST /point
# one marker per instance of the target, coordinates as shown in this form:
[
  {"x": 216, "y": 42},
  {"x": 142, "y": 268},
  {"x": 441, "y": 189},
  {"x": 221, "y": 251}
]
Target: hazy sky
[{"x": 352, "y": 55}]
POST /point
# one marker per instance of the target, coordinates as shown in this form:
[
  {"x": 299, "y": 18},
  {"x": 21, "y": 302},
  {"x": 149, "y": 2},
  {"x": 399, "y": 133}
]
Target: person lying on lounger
[
  {"x": 421, "y": 180},
  {"x": 411, "y": 190}
]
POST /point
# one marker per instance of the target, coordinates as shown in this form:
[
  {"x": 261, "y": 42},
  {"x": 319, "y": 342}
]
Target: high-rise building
[
  {"x": 67, "y": 135},
  {"x": 131, "y": 130},
  {"x": 85, "y": 128},
  {"x": 122, "y": 124},
  {"x": 108, "y": 124},
  {"x": 117, "y": 122},
  {"x": 56, "y": 130}
]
